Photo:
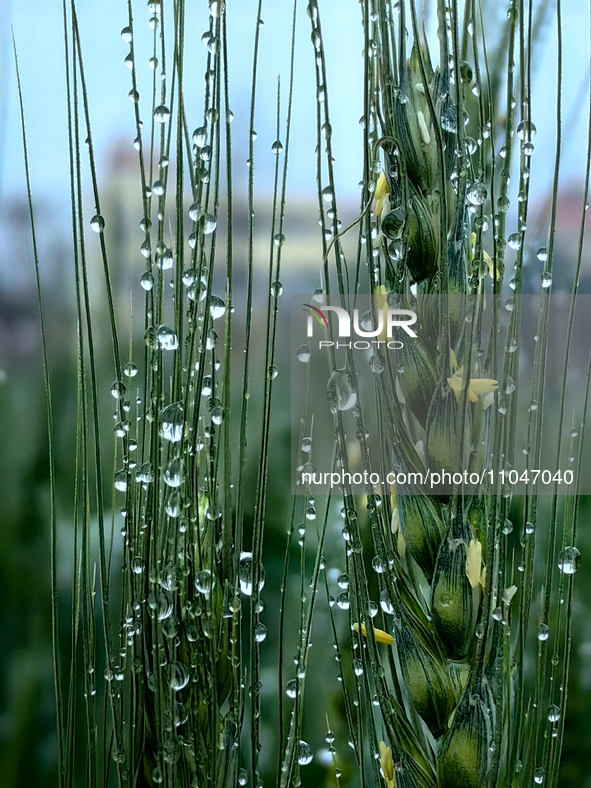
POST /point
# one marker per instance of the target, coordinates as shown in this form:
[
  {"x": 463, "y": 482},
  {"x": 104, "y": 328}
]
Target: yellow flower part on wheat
[
  {"x": 387, "y": 765},
  {"x": 476, "y": 386},
  {"x": 453, "y": 361},
  {"x": 474, "y": 563},
  {"x": 381, "y": 303},
  {"x": 379, "y": 634},
  {"x": 380, "y": 194},
  {"x": 487, "y": 260}
]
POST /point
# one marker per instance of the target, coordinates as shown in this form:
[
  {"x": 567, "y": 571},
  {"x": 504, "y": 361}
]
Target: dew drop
[
  {"x": 209, "y": 223},
  {"x": 147, "y": 280},
  {"x": 97, "y": 223},
  {"x": 305, "y": 753},
  {"x": 260, "y": 632},
  {"x": 161, "y": 114},
  {"x": 377, "y": 363},
  {"x": 137, "y": 565},
  {"x": 144, "y": 473},
  {"x": 245, "y": 574},
  {"x": 386, "y": 603},
  {"x": 172, "y": 504},
  {"x": 204, "y": 583},
  {"x": 328, "y": 194},
  {"x": 569, "y": 560},
  {"x": 514, "y": 241},
  {"x": 165, "y": 261},
  {"x": 339, "y": 391},
  {"x": 189, "y": 277},
  {"x": 510, "y": 383},
  {"x": 343, "y": 580},
  {"x": 206, "y": 388},
  {"x": 121, "y": 428},
  {"x": 171, "y": 422},
  {"x": 542, "y": 253},
  {"x": 526, "y": 130},
  {"x": 276, "y": 289},
  {"x": 543, "y": 632},
  {"x": 303, "y": 354},
  {"x": 211, "y": 339},
  {"x": 167, "y": 338},
  {"x": 172, "y": 473},
  {"x": 217, "y": 307},
  {"x": 163, "y": 605},
  {"x": 553, "y": 713},
  {"x": 503, "y": 203},
  {"x": 291, "y": 688},
  {"x": 200, "y": 137},
  {"x": 178, "y": 676},
  {"x": 121, "y": 480},
  {"x": 130, "y": 370},
  {"x": 118, "y": 389},
  {"x": 477, "y": 194}
]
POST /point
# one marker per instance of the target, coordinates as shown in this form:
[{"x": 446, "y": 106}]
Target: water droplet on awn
[
  {"x": 477, "y": 194},
  {"x": 97, "y": 223},
  {"x": 339, "y": 391},
  {"x": 305, "y": 753},
  {"x": 171, "y": 422},
  {"x": 569, "y": 560},
  {"x": 161, "y": 114},
  {"x": 303, "y": 354}
]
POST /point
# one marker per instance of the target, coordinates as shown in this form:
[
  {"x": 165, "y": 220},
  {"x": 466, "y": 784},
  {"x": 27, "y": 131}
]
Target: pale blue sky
[
  {"x": 38, "y": 29},
  {"x": 37, "y": 25}
]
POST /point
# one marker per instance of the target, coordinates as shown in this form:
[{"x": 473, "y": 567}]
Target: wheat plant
[
  {"x": 465, "y": 606},
  {"x": 462, "y": 679}
]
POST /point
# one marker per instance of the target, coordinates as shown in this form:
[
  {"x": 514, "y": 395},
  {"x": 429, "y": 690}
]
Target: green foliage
[{"x": 168, "y": 675}]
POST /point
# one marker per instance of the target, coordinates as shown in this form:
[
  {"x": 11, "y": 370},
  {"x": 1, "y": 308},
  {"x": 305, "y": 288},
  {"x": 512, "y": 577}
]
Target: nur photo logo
[{"x": 379, "y": 330}]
